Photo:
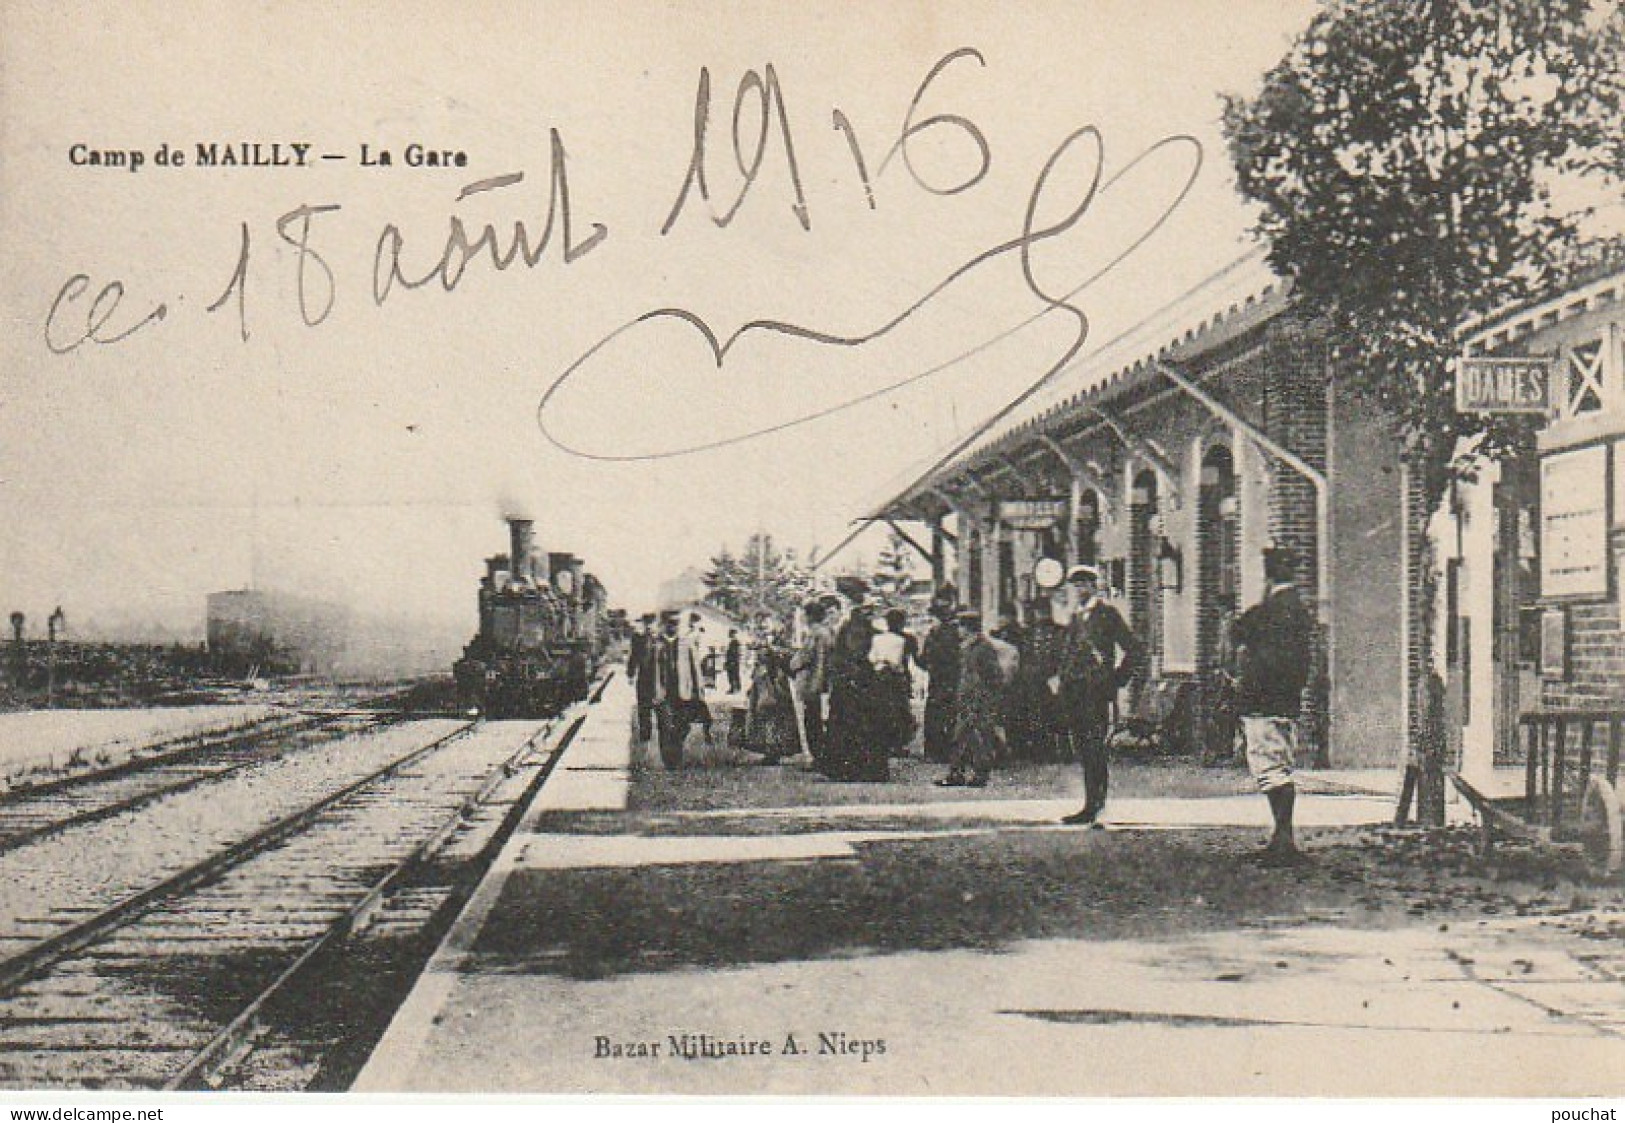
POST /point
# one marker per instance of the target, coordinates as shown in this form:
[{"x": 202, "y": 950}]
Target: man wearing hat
[
  {"x": 1272, "y": 644},
  {"x": 980, "y": 701},
  {"x": 640, "y": 668},
  {"x": 679, "y": 696},
  {"x": 730, "y": 661},
  {"x": 1099, "y": 656}
]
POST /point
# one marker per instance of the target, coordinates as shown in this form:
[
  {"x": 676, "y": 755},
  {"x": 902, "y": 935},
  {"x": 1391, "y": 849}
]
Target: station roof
[
  {"x": 1601, "y": 288},
  {"x": 1235, "y": 299}
]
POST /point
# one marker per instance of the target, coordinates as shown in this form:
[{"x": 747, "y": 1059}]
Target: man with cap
[
  {"x": 978, "y": 706},
  {"x": 693, "y": 638},
  {"x": 1099, "y": 656},
  {"x": 1272, "y": 651}
]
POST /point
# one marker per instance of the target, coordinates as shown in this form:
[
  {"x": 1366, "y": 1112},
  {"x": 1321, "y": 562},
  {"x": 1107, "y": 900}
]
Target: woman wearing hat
[
  {"x": 770, "y": 723},
  {"x": 1034, "y": 721},
  {"x": 853, "y": 749},
  {"x": 889, "y": 653}
]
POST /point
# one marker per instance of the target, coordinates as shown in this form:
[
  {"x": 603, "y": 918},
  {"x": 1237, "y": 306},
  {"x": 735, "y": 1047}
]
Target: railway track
[
  {"x": 316, "y": 1029},
  {"x": 200, "y": 972},
  {"x": 29, "y": 814}
]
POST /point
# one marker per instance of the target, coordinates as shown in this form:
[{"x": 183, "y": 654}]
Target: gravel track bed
[
  {"x": 131, "y": 1010},
  {"x": 25, "y": 813},
  {"x": 95, "y": 865}
]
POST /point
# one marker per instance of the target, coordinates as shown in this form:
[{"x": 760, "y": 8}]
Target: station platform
[{"x": 728, "y": 929}]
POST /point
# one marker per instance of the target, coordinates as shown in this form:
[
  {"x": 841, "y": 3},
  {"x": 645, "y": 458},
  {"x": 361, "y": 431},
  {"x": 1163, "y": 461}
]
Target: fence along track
[{"x": 97, "y": 1007}]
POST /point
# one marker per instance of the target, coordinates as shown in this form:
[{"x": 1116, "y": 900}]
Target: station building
[
  {"x": 1531, "y": 552},
  {"x": 1170, "y": 458}
]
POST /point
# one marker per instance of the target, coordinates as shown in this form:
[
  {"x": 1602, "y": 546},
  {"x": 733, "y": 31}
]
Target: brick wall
[
  {"x": 1295, "y": 414},
  {"x": 1596, "y": 652},
  {"x": 1142, "y": 592}
]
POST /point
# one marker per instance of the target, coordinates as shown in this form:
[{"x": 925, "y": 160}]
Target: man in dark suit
[
  {"x": 1099, "y": 656},
  {"x": 941, "y": 661},
  {"x": 640, "y": 668},
  {"x": 809, "y": 668},
  {"x": 679, "y": 693},
  {"x": 1272, "y": 644}
]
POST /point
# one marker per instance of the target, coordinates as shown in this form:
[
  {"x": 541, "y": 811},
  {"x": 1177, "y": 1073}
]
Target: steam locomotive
[{"x": 543, "y": 629}]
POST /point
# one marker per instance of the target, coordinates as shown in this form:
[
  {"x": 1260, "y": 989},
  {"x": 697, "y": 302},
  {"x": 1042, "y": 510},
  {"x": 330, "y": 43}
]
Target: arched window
[{"x": 1218, "y": 549}]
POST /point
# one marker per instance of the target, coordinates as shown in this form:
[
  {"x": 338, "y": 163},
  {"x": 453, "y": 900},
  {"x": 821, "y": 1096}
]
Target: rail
[
  {"x": 18, "y": 968},
  {"x": 197, "y": 1073},
  {"x": 551, "y": 740},
  {"x": 30, "y": 814}
]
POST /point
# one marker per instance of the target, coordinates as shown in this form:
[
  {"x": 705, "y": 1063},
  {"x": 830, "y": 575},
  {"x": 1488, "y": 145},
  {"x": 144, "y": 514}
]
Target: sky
[{"x": 365, "y": 439}]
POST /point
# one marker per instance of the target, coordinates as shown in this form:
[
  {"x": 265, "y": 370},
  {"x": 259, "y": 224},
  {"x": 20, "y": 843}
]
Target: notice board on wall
[{"x": 1574, "y": 523}]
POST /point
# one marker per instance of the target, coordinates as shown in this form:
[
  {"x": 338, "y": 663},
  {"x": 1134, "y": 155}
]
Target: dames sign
[{"x": 1504, "y": 385}]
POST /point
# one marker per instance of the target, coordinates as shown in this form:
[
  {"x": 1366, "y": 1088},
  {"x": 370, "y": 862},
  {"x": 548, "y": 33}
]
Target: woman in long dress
[
  {"x": 771, "y": 721},
  {"x": 889, "y": 654},
  {"x": 854, "y": 749}
]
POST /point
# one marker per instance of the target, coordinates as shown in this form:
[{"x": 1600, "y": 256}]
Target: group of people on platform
[{"x": 1048, "y": 696}]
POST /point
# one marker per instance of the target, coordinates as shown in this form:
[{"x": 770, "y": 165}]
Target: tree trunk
[
  {"x": 1428, "y": 744},
  {"x": 1430, "y": 720}
]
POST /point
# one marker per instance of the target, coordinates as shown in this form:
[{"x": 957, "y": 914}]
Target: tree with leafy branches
[
  {"x": 761, "y": 578},
  {"x": 893, "y": 570},
  {"x": 1415, "y": 163},
  {"x": 724, "y": 582}
]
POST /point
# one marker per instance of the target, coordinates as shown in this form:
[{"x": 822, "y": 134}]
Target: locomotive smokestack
[{"x": 523, "y": 540}]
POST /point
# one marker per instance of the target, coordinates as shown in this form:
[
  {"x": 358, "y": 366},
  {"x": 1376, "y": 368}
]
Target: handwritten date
[{"x": 762, "y": 134}]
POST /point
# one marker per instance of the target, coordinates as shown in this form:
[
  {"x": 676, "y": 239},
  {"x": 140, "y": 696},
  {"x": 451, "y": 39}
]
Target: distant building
[
  {"x": 687, "y": 588},
  {"x": 278, "y": 633},
  {"x": 714, "y": 626}
]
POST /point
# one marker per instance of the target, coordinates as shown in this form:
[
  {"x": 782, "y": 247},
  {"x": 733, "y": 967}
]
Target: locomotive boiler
[{"x": 543, "y": 624}]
